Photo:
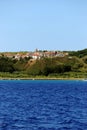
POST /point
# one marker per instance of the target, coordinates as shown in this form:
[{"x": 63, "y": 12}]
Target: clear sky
[{"x": 44, "y": 24}]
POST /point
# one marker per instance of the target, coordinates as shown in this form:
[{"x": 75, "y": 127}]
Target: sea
[{"x": 43, "y": 105}]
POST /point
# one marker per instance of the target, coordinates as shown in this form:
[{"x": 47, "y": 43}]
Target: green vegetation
[
  {"x": 72, "y": 66},
  {"x": 79, "y": 54}
]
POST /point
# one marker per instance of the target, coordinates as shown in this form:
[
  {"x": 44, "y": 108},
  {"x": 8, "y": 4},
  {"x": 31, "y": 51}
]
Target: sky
[{"x": 43, "y": 24}]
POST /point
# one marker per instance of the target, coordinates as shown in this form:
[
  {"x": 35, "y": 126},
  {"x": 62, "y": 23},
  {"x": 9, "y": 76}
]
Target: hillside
[
  {"x": 70, "y": 65},
  {"x": 79, "y": 53}
]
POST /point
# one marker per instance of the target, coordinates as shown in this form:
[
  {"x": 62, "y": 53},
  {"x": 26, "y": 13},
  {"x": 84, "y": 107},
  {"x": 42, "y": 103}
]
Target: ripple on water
[{"x": 43, "y": 105}]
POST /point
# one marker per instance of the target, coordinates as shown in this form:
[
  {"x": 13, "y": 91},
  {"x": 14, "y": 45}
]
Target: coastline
[{"x": 46, "y": 78}]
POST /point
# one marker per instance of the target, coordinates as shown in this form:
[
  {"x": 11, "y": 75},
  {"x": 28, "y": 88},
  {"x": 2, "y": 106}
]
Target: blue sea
[{"x": 43, "y": 105}]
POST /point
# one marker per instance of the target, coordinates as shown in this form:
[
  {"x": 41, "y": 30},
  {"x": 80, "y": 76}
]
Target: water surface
[{"x": 43, "y": 105}]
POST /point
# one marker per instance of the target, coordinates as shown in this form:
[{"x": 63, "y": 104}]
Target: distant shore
[{"x": 6, "y": 78}]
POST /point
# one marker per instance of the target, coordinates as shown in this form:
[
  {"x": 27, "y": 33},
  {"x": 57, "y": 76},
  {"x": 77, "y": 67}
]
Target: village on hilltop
[{"x": 37, "y": 54}]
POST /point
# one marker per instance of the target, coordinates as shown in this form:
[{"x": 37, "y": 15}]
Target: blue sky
[{"x": 44, "y": 24}]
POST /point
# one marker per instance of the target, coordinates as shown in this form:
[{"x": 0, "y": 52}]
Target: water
[{"x": 43, "y": 105}]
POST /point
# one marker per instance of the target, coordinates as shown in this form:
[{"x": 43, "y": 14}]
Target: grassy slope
[{"x": 46, "y": 67}]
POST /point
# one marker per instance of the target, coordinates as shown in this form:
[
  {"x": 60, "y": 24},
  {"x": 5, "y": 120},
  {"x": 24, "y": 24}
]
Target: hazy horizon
[
  {"x": 32, "y": 50},
  {"x": 46, "y": 25}
]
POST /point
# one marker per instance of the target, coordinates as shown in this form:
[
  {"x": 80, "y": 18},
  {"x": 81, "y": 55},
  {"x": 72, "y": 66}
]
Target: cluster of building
[{"x": 36, "y": 54}]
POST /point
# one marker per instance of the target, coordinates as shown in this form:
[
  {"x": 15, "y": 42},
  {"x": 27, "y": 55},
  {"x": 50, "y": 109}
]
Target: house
[
  {"x": 36, "y": 55},
  {"x": 17, "y": 56}
]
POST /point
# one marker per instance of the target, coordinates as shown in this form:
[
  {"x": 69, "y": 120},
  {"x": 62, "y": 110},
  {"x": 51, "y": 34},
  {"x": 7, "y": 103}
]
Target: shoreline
[{"x": 6, "y": 78}]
